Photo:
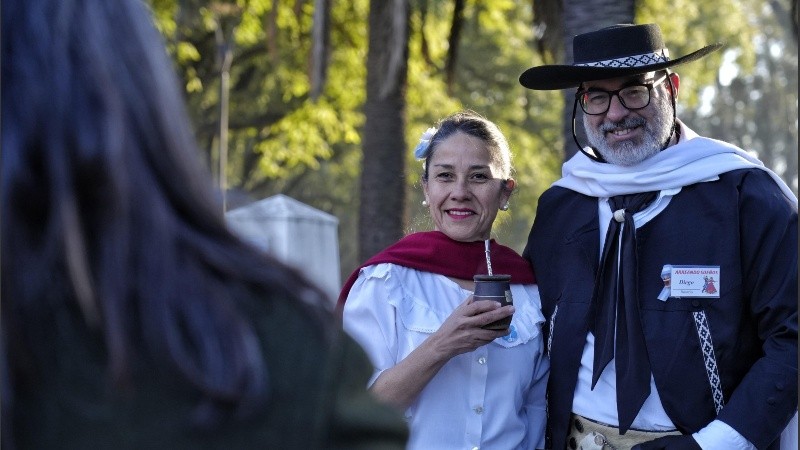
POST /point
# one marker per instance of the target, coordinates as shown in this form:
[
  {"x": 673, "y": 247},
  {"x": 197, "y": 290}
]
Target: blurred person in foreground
[
  {"x": 411, "y": 306},
  {"x": 667, "y": 265},
  {"x": 131, "y": 317}
]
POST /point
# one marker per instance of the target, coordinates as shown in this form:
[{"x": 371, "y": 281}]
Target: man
[{"x": 641, "y": 355}]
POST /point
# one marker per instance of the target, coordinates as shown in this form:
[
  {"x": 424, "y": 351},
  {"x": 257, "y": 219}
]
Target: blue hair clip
[{"x": 421, "y": 150}]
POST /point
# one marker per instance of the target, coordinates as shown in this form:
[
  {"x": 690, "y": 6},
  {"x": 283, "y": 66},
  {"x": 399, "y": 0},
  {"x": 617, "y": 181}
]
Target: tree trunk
[
  {"x": 320, "y": 49},
  {"x": 581, "y": 16},
  {"x": 453, "y": 41},
  {"x": 383, "y": 179}
]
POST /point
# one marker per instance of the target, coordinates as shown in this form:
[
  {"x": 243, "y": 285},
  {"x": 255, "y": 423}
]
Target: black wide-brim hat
[{"x": 616, "y": 51}]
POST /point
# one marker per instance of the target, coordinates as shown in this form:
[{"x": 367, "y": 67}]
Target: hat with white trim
[{"x": 616, "y": 51}]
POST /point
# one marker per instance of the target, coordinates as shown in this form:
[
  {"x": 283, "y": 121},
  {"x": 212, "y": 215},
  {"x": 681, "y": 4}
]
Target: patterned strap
[
  {"x": 645, "y": 59},
  {"x": 704, "y": 333}
]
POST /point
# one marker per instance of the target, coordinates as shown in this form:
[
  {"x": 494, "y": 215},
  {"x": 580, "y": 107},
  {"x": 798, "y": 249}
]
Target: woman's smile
[{"x": 460, "y": 214}]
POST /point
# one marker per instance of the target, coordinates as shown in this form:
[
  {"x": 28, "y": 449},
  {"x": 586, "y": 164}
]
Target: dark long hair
[{"x": 106, "y": 207}]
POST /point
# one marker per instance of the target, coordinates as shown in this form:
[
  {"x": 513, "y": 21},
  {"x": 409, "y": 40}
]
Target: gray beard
[{"x": 629, "y": 153}]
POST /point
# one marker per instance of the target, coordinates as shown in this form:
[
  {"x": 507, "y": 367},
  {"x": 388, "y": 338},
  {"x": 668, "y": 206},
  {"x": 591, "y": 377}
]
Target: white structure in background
[{"x": 297, "y": 234}]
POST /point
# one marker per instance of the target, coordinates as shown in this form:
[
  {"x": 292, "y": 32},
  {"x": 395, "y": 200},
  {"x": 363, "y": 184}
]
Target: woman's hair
[
  {"x": 107, "y": 209},
  {"x": 473, "y": 124}
]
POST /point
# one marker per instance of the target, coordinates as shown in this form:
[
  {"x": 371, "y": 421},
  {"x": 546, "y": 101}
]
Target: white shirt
[
  {"x": 491, "y": 398},
  {"x": 600, "y": 403}
]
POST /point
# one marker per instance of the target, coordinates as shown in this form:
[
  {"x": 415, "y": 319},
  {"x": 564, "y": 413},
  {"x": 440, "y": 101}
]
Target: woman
[
  {"x": 411, "y": 306},
  {"x": 131, "y": 317}
]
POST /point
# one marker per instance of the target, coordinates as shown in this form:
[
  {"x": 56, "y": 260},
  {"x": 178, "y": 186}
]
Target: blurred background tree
[
  {"x": 383, "y": 175},
  {"x": 301, "y": 110}
]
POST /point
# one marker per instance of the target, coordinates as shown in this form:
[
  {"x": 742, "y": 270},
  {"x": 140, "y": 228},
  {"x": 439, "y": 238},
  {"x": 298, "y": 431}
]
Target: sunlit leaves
[
  {"x": 186, "y": 52},
  {"x": 303, "y": 138},
  {"x": 688, "y": 25},
  {"x": 250, "y": 30}
]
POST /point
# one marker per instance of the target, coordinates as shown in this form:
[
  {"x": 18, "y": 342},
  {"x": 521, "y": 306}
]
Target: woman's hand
[{"x": 462, "y": 331}]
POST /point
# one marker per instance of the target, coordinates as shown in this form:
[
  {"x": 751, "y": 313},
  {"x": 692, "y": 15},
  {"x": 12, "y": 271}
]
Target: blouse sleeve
[{"x": 370, "y": 318}]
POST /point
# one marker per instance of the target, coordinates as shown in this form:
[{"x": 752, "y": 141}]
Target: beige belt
[{"x": 586, "y": 434}]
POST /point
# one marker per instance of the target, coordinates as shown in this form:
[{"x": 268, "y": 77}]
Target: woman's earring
[
  {"x": 424, "y": 203},
  {"x": 504, "y": 207}
]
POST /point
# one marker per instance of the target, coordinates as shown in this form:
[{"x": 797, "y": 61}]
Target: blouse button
[
  {"x": 478, "y": 410},
  {"x": 482, "y": 360}
]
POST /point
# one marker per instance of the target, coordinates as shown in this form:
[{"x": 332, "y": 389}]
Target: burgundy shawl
[{"x": 433, "y": 251}]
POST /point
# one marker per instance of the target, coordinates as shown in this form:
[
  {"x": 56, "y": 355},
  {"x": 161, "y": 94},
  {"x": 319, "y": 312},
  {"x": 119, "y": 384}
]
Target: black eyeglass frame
[{"x": 616, "y": 92}]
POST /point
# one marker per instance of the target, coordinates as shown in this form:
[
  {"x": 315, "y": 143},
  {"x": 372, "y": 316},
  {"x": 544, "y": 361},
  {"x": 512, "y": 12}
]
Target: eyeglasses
[{"x": 633, "y": 97}]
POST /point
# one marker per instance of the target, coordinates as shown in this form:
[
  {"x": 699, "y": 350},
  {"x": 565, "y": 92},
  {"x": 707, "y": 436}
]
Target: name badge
[{"x": 690, "y": 281}]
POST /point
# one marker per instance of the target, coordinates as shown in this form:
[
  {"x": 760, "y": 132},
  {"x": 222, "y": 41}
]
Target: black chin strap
[
  {"x": 676, "y": 129},
  {"x": 594, "y": 155}
]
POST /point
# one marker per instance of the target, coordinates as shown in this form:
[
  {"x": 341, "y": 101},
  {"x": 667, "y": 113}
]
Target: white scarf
[{"x": 694, "y": 159}]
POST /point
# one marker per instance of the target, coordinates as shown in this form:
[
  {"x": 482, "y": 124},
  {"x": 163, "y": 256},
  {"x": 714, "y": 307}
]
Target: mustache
[{"x": 628, "y": 122}]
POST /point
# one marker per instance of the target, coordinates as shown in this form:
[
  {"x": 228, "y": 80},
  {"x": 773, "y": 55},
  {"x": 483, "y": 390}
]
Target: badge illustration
[{"x": 709, "y": 287}]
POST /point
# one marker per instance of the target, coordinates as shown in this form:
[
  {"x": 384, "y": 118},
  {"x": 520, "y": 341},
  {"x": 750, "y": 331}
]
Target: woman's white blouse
[{"x": 491, "y": 398}]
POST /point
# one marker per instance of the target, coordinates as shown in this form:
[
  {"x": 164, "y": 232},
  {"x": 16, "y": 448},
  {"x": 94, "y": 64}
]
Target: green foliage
[
  {"x": 276, "y": 133},
  {"x": 754, "y": 106},
  {"x": 302, "y": 139},
  {"x": 688, "y": 25},
  {"x": 281, "y": 141}
]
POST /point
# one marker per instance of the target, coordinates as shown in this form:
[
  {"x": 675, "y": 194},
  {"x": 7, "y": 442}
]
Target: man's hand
[{"x": 684, "y": 442}]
